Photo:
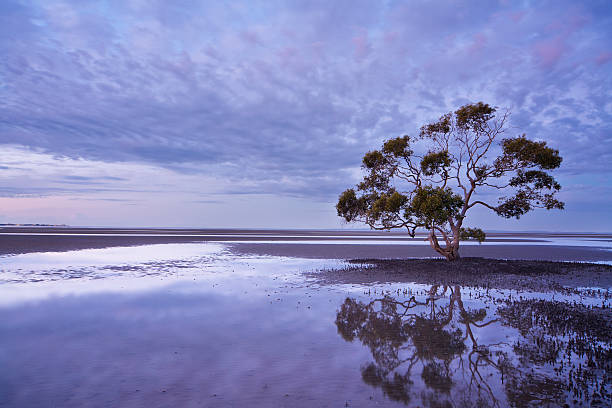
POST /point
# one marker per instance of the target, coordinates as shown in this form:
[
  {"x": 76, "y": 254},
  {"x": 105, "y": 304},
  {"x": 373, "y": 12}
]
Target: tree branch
[{"x": 482, "y": 203}]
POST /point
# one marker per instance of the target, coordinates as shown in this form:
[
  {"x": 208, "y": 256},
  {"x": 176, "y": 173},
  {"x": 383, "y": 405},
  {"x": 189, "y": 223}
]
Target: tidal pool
[{"x": 195, "y": 325}]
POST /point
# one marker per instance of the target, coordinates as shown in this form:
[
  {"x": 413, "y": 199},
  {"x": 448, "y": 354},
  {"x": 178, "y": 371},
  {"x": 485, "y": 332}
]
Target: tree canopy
[{"x": 467, "y": 153}]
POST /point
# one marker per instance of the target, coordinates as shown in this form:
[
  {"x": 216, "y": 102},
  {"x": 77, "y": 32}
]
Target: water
[
  {"x": 480, "y": 350},
  {"x": 196, "y": 325}
]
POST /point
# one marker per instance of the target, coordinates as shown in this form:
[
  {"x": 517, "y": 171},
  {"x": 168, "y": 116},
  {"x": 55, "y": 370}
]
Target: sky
[{"x": 256, "y": 114}]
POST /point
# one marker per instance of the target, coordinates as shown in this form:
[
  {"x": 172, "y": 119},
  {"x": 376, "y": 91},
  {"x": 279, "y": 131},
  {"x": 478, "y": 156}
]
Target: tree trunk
[{"x": 451, "y": 253}]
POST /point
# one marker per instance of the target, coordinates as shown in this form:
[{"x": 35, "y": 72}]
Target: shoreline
[
  {"x": 311, "y": 244},
  {"x": 392, "y": 251},
  {"x": 307, "y": 246}
]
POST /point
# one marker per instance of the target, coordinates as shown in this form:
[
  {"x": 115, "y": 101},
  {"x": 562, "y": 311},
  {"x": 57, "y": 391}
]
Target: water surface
[{"x": 199, "y": 325}]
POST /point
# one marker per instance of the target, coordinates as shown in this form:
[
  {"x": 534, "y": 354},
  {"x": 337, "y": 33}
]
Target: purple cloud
[
  {"x": 262, "y": 93},
  {"x": 603, "y": 58},
  {"x": 548, "y": 52}
]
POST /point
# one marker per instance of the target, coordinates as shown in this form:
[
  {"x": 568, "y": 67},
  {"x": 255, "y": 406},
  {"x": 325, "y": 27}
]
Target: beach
[
  {"x": 221, "y": 318},
  {"x": 320, "y": 244}
]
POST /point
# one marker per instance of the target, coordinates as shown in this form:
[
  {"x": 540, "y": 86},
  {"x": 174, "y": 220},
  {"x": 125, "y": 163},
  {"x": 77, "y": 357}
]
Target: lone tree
[{"x": 435, "y": 191}]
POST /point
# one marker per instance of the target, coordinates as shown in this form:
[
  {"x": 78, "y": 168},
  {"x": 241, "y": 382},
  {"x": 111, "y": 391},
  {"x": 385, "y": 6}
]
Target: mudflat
[
  {"x": 520, "y": 275},
  {"x": 313, "y": 244},
  {"x": 391, "y": 251}
]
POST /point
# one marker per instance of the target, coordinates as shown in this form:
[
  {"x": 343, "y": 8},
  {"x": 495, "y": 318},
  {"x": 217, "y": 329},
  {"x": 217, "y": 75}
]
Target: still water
[{"x": 194, "y": 325}]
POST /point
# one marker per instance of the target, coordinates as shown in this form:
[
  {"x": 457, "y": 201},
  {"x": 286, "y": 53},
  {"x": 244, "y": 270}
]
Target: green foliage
[
  {"x": 398, "y": 147},
  {"x": 524, "y": 201},
  {"x": 434, "y": 163},
  {"x": 388, "y": 203},
  {"x": 442, "y": 126},
  {"x": 538, "y": 178},
  {"x": 514, "y": 206},
  {"x": 435, "y": 205},
  {"x": 474, "y": 117},
  {"x": 374, "y": 160},
  {"x": 374, "y": 207},
  {"x": 349, "y": 206},
  {"x": 521, "y": 152},
  {"x": 472, "y": 233}
]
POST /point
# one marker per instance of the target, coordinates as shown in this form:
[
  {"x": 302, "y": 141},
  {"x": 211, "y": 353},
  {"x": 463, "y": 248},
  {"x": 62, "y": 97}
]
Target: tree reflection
[
  {"x": 430, "y": 350},
  {"x": 401, "y": 336}
]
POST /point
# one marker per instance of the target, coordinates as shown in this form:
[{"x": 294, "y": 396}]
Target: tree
[{"x": 434, "y": 191}]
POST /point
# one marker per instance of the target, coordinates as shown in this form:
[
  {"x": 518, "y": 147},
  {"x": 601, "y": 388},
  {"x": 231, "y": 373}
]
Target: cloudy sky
[{"x": 256, "y": 114}]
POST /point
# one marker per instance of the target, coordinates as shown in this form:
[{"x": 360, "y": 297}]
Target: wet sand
[
  {"x": 314, "y": 244},
  {"x": 26, "y": 240},
  {"x": 23, "y": 244},
  {"x": 348, "y": 251}
]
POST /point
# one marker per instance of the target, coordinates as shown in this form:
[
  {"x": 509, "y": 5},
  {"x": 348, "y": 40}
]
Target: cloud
[
  {"x": 549, "y": 52},
  {"x": 284, "y": 98},
  {"x": 603, "y": 58}
]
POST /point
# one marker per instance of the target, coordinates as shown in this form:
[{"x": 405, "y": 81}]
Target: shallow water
[
  {"x": 195, "y": 325},
  {"x": 318, "y": 237}
]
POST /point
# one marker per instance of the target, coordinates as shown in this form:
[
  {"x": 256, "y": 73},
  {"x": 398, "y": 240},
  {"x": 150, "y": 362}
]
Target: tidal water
[{"x": 196, "y": 324}]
